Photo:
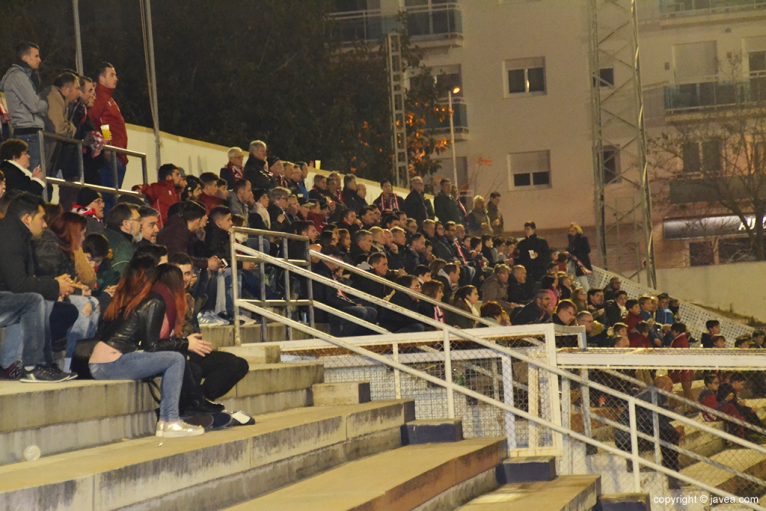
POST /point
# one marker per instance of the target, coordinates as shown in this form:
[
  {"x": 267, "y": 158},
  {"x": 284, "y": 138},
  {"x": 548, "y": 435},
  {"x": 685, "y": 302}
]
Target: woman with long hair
[
  {"x": 129, "y": 344},
  {"x": 579, "y": 254},
  {"x": 466, "y": 298}
]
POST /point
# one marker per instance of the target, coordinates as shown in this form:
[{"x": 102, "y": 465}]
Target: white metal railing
[{"x": 543, "y": 375}]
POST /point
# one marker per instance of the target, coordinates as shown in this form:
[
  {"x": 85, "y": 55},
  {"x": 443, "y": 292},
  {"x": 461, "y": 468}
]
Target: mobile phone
[{"x": 224, "y": 264}]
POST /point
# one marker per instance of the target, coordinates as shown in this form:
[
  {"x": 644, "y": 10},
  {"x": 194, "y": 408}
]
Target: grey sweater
[{"x": 26, "y": 107}]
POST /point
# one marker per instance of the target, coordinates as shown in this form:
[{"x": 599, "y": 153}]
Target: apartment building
[{"x": 524, "y": 116}]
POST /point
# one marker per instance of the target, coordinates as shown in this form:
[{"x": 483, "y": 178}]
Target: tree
[{"x": 716, "y": 154}]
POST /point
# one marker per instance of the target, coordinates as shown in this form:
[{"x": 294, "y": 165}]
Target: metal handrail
[
  {"x": 633, "y": 456},
  {"x": 288, "y": 304},
  {"x": 393, "y": 285},
  {"x": 116, "y": 190}
]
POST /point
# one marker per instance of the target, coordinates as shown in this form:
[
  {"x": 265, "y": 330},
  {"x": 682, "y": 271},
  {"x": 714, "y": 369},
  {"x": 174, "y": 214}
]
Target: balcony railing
[
  {"x": 690, "y": 97},
  {"x": 702, "y": 7},
  {"x": 423, "y": 24},
  {"x": 440, "y": 124}
]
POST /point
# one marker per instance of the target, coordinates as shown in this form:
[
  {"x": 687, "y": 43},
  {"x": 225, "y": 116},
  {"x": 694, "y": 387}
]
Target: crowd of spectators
[{"x": 140, "y": 271}]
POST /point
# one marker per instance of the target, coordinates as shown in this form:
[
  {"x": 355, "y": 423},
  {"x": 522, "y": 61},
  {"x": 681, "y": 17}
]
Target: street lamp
[{"x": 454, "y": 90}]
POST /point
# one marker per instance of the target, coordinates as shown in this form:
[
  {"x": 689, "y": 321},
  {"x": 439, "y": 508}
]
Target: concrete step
[
  {"x": 340, "y": 393},
  {"x": 743, "y": 460},
  {"x": 431, "y": 431},
  {"x": 624, "y": 502},
  {"x": 215, "y": 470},
  {"x": 75, "y": 415},
  {"x": 223, "y": 335},
  {"x": 401, "y": 479},
  {"x": 526, "y": 469},
  {"x": 566, "y": 493}
]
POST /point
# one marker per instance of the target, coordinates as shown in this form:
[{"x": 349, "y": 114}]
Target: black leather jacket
[{"x": 141, "y": 331}]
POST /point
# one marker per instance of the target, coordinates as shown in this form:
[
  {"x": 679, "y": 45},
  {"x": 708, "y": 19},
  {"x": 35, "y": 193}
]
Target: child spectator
[
  {"x": 639, "y": 336},
  {"x": 709, "y": 395},
  {"x": 713, "y": 327},
  {"x": 684, "y": 377},
  {"x": 718, "y": 341},
  {"x": 433, "y": 289}
]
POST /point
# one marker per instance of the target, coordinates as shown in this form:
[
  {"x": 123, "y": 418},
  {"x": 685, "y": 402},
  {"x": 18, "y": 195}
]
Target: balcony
[
  {"x": 696, "y": 97},
  {"x": 428, "y": 27},
  {"x": 437, "y": 24},
  {"x": 679, "y": 8},
  {"x": 440, "y": 124}
]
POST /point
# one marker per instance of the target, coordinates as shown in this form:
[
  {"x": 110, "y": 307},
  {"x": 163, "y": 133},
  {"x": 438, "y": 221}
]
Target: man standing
[
  {"x": 26, "y": 108},
  {"x": 416, "y": 205},
  {"x": 234, "y": 171},
  {"x": 256, "y": 170},
  {"x": 106, "y": 112},
  {"x": 446, "y": 206},
  {"x": 64, "y": 92},
  {"x": 496, "y": 221},
  {"x": 534, "y": 253}
]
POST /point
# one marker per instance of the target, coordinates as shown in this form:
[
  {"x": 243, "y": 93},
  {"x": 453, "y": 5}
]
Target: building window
[
  {"x": 695, "y": 62},
  {"x": 757, "y": 66},
  {"x": 525, "y": 76},
  {"x": 605, "y": 77},
  {"x": 611, "y": 159},
  {"x": 702, "y": 156},
  {"x": 529, "y": 169},
  {"x": 701, "y": 253}
]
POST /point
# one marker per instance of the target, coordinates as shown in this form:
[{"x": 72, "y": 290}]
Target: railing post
[
  {"x": 80, "y": 162},
  {"x": 262, "y": 268},
  {"x": 115, "y": 172},
  {"x": 533, "y": 405},
  {"x": 310, "y": 289},
  {"x": 235, "y": 288},
  {"x": 506, "y": 367},
  {"x": 567, "y": 461},
  {"x": 397, "y": 374},
  {"x": 448, "y": 376},
  {"x": 288, "y": 297},
  {"x": 634, "y": 451},
  {"x": 656, "y": 428},
  {"x": 43, "y": 163},
  {"x": 144, "y": 171}
]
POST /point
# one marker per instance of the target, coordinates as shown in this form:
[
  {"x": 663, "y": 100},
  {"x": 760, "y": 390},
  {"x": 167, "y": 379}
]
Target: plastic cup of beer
[{"x": 106, "y": 132}]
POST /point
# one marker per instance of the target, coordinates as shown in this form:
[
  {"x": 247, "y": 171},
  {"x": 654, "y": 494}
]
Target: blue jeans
[
  {"x": 107, "y": 179},
  {"x": 87, "y": 321},
  {"x": 33, "y": 141},
  {"x": 24, "y": 316},
  {"x": 142, "y": 364}
]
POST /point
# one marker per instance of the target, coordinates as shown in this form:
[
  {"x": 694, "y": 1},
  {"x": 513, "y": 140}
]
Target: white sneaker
[
  {"x": 210, "y": 318},
  {"x": 177, "y": 429}
]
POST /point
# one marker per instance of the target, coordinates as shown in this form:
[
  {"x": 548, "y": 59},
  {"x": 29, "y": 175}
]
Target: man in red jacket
[
  {"x": 105, "y": 112},
  {"x": 164, "y": 193}
]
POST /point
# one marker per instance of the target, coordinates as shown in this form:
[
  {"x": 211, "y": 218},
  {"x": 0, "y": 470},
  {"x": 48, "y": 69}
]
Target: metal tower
[
  {"x": 396, "y": 97},
  {"x": 621, "y": 180}
]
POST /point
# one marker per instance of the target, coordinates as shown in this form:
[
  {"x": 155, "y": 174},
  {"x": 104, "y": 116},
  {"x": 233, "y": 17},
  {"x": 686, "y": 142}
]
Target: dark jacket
[
  {"x": 258, "y": 175},
  {"x": 353, "y": 201},
  {"x": 519, "y": 293},
  {"x": 442, "y": 249},
  {"x": 141, "y": 330},
  {"x": 328, "y": 295},
  {"x": 537, "y": 267},
  {"x": 493, "y": 289},
  {"x": 122, "y": 248},
  {"x": 177, "y": 237},
  {"x": 50, "y": 260},
  {"x": 531, "y": 314},
  {"x": 17, "y": 262},
  {"x": 447, "y": 209},
  {"x": 418, "y": 207},
  {"x": 371, "y": 287},
  {"x": 393, "y": 321},
  {"x": 285, "y": 225},
  {"x": 579, "y": 249},
  {"x": 20, "y": 180},
  {"x": 217, "y": 242}
]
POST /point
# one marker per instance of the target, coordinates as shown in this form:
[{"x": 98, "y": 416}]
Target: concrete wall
[{"x": 736, "y": 287}]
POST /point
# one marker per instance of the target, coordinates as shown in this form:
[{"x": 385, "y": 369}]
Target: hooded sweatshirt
[{"x": 26, "y": 108}]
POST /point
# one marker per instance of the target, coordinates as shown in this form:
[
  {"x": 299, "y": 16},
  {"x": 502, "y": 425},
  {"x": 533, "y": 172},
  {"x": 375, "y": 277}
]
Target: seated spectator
[
  {"x": 580, "y": 298},
  {"x": 566, "y": 285},
  {"x": 495, "y": 287},
  {"x": 23, "y": 351},
  {"x": 566, "y": 312},
  {"x": 416, "y": 205},
  {"x": 192, "y": 190},
  {"x": 536, "y": 311},
  {"x": 684, "y": 377},
  {"x": 719, "y": 341},
  {"x": 350, "y": 198},
  {"x": 495, "y": 312},
  {"x": 620, "y": 330},
  {"x": 709, "y": 395},
  {"x": 339, "y": 300},
  {"x": 278, "y": 218},
  {"x": 758, "y": 339},
  {"x": 465, "y": 299},
  {"x": 361, "y": 249},
  {"x": 742, "y": 342},
  {"x": 2, "y": 184},
  {"x": 449, "y": 276},
  {"x": 129, "y": 345},
  {"x": 639, "y": 335},
  {"x": 14, "y": 163},
  {"x": 520, "y": 290},
  {"x": 369, "y": 217},
  {"x": 730, "y": 404},
  {"x": 388, "y": 200},
  {"x": 90, "y": 204},
  {"x": 615, "y": 309},
  {"x": 181, "y": 233},
  {"x": 259, "y": 216},
  {"x": 97, "y": 252},
  {"x": 713, "y": 327},
  {"x": 610, "y": 291},
  {"x": 378, "y": 266},
  {"x": 24, "y": 222},
  {"x": 209, "y": 197},
  {"x": 399, "y": 323},
  {"x": 633, "y": 316},
  {"x": 663, "y": 315},
  {"x": 234, "y": 171},
  {"x": 433, "y": 289},
  {"x": 596, "y": 304},
  {"x": 241, "y": 200},
  {"x": 149, "y": 220},
  {"x": 217, "y": 233},
  {"x": 164, "y": 193},
  {"x": 123, "y": 230},
  {"x": 596, "y": 334}
]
